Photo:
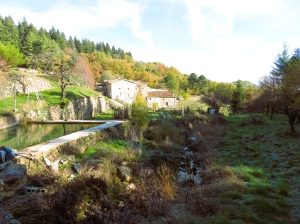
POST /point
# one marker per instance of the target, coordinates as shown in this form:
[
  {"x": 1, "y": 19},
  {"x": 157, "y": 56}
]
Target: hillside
[{"x": 248, "y": 168}]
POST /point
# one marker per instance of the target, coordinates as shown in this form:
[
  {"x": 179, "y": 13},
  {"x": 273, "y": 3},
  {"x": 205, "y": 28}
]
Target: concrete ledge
[
  {"x": 10, "y": 125},
  {"x": 54, "y": 145}
]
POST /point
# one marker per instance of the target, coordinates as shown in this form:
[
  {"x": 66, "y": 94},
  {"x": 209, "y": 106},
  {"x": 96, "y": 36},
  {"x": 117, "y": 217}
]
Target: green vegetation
[
  {"x": 51, "y": 97},
  {"x": 139, "y": 112},
  {"x": 11, "y": 56},
  {"x": 260, "y": 159}
]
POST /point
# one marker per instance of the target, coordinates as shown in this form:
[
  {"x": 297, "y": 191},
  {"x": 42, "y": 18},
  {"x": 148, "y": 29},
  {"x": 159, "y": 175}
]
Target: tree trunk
[
  {"x": 63, "y": 92},
  {"x": 15, "y": 97}
]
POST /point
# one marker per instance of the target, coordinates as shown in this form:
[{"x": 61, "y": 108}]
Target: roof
[{"x": 160, "y": 94}]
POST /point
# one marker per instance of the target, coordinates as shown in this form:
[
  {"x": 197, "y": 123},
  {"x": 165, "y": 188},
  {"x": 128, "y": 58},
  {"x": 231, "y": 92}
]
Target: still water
[{"x": 22, "y": 136}]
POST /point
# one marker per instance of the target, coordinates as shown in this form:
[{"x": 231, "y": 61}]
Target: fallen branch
[{"x": 38, "y": 161}]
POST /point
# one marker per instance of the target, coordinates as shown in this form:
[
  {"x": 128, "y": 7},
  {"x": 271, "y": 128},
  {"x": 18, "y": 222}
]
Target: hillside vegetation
[{"x": 249, "y": 175}]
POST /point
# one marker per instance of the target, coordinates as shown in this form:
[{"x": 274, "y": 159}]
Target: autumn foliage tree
[
  {"x": 64, "y": 73},
  {"x": 83, "y": 69}
]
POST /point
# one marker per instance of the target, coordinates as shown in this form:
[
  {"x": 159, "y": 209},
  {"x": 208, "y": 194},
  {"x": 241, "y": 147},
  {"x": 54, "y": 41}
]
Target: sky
[{"x": 222, "y": 40}]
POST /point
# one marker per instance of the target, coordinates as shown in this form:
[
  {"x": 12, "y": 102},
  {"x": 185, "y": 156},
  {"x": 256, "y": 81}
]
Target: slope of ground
[{"x": 250, "y": 168}]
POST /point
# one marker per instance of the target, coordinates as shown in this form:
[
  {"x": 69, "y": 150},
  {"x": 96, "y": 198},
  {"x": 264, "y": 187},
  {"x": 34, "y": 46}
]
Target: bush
[{"x": 139, "y": 112}]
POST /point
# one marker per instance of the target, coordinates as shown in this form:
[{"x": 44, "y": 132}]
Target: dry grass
[{"x": 167, "y": 181}]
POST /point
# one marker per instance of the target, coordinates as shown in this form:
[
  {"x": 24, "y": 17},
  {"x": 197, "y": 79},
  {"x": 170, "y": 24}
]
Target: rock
[
  {"x": 13, "y": 173},
  {"x": 78, "y": 167},
  {"x": 68, "y": 158},
  {"x": 62, "y": 161},
  {"x": 183, "y": 176},
  {"x": 124, "y": 173},
  {"x": 52, "y": 165},
  {"x": 14, "y": 221},
  {"x": 7, "y": 218},
  {"x": 145, "y": 171},
  {"x": 130, "y": 187},
  {"x": 67, "y": 171},
  {"x": 3, "y": 165},
  {"x": 71, "y": 177},
  {"x": 48, "y": 162},
  {"x": 191, "y": 139},
  {"x": 121, "y": 204}
]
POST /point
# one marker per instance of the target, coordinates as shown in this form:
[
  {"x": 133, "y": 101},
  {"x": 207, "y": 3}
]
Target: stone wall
[
  {"x": 26, "y": 85},
  {"x": 79, "y": 109}
]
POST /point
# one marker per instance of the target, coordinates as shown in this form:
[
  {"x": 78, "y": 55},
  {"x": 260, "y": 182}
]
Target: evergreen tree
[
  {"x": 71, "y": 43},
  {"x": 78, "y": 45},
  {"x": 11, "y": 32},
  {"x": 193, "y": 79},
  {"x": 24, "y": 29},
  {"x": 238, "y": 96},
  {"x": 170, "y": 82},
  {"x": 100, "y": 47},
  {"x": 280, "y": 66},
  {"x": 107, "y": 50}
]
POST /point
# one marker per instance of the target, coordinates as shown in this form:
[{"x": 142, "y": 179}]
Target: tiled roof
[{"x": 160, "y": 94}]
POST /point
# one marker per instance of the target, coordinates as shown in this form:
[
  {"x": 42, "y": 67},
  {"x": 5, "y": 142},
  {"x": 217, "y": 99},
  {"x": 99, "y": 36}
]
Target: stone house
[
  {"x": 161, "y": 99},
  {"x": 127, "y": 90},
  {"x": 118, "y": 89},
  {"x": 142, "y": 88}
]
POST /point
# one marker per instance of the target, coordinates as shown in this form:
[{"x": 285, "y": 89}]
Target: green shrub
[{"x": 139, "y": 112}]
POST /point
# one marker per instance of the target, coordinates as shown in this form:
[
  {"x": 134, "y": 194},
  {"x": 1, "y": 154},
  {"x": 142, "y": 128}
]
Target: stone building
[
  {"x": 118, "y": 89},
  {"x": 161, "y": 99},
  {"x": 127, "y": 90}
]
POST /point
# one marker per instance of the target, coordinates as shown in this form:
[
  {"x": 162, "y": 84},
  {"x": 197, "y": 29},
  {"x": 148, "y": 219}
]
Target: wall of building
[
  {"x": 123, "y": 90},
  {"x": 162, "y": 102}
]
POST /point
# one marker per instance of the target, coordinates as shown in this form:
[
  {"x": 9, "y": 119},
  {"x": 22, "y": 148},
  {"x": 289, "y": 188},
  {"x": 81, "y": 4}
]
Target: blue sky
[{"x": 223, "y": 40}]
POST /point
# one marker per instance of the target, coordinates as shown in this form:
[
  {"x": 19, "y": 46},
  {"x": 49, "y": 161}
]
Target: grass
[
  {"x": 109, "y": 115},
  {"x": 51, "y": 98},
  {"x": 248, "y": 171},
  {"x": 264, "y": 159}
]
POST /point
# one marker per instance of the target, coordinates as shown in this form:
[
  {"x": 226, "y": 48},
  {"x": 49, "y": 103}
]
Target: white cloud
[
  {"x": 210, "y": 19},
  {"x": 68, "y": 18},
  {"x": 211, "y": 22}
]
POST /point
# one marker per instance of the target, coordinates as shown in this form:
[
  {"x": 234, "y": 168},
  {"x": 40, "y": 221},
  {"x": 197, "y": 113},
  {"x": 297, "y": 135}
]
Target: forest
[{"x": 70, "y": 60}]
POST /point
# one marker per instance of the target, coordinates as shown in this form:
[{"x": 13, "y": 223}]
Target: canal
[{"x": 22, "y": 136}]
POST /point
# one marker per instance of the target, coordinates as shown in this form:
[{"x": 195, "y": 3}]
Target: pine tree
[
  {"x": 107, "y": 50},
  {"x": 11, "y": 31}
]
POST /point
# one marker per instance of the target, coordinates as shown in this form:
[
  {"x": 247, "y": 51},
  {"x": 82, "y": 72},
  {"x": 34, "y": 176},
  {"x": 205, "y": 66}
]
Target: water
[{"x": 22, "y": 136}]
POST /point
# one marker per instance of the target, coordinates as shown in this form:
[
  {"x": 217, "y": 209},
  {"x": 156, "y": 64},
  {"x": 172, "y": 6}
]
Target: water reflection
[{"x": 23, "y": 136}]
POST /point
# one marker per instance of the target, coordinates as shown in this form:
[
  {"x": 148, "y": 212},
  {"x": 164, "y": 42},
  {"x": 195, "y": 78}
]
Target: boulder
[
  {"x": 67, "y": 171},
  {"x": 124, "y": 173},
  {"x": 7, "y": 218},
  {"x": 13, "y": 173},
  {"x": 78, "y": 168},
  {"x": 3, "y": 165},
  {"x": 130, "y": 187}
]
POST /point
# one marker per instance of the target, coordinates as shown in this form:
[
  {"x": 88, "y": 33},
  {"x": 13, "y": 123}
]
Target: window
[{"x": 167, "y": 103}]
